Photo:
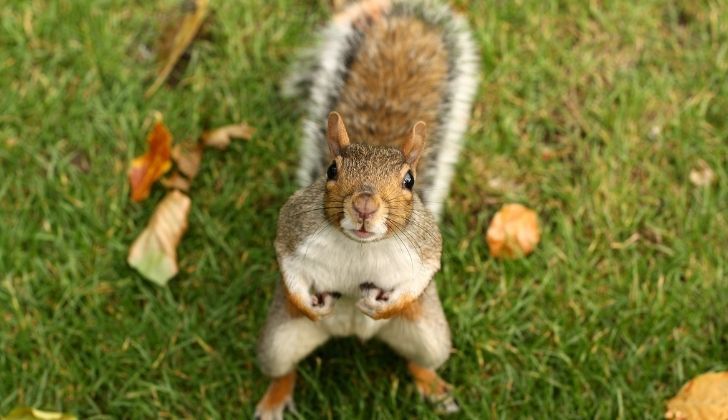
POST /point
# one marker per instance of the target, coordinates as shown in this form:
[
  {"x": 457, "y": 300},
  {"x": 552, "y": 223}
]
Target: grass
[{"x": 593, "y": 114}]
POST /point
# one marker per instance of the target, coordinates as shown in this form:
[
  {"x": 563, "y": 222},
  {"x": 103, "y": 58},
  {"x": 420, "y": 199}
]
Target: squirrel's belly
[{"x": 347, "y": 320}]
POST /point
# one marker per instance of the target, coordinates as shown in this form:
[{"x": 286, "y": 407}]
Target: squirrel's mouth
[
  {"x": 363, "y": 229},
  {"x": 363, "y": 233}
]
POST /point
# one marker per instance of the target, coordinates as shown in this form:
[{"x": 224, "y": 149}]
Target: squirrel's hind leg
[
  {"x": 287, "y": 338},
  {"x": 421, "y": 335},
  {"x": 431, "y": 386},
  {"x": 277, "y": 398}
]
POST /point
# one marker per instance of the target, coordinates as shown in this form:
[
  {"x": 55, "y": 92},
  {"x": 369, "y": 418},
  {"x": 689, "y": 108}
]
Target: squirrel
[{"x": 358, "y": 245}]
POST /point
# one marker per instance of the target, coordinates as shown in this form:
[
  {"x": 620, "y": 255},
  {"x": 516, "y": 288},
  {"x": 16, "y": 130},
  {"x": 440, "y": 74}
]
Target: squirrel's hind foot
[
  {"x": 433, "y": 388},
  {"x": 277, "y": 398}
]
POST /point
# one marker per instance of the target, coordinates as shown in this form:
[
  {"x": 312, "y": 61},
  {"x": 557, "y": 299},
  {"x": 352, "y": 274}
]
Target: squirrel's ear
[
  {"x": 337, "y": 137},
  {"x": 415, "y": 144}
]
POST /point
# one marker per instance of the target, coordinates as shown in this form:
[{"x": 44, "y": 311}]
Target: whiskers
[
  {"x": 331, "y": 215},
  {"x": 405, "y": 223},
  {"x": 323, "y": 210},
  {"x": 413, "y": 219}
]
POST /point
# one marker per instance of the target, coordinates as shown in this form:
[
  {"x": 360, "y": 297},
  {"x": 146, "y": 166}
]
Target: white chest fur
[{"x": 332, "y": 262}]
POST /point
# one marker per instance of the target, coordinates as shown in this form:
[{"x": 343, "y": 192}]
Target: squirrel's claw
[
  {"x": 447, "y": 406},
  {"x": 313, "y": 305},
  {"x": 277, "y": 399},
  {"x": 433, "y": 388},
  {"x": 374, "y": 302},
  {"x": 323, "y": 303},
  {"x": 275, "y": 413}
]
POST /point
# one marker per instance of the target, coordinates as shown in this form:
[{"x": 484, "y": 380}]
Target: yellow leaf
[
  {"x": 28, "y": 413},
  {"x": 705, "y": 397}
]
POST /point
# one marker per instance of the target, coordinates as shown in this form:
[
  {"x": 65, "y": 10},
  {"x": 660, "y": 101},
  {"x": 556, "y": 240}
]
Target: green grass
[{"x": 593, "y": 115}]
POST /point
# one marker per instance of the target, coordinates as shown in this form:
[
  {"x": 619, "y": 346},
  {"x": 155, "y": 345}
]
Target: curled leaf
[
  {"x": 28, "y": 413},
  {"x": 702, "y": 398},
  {"x": 149, "y": 167},
  {"x": 195, "y": 12},
  {"x": 154, "y": 252},
  {"x": 513, "y": 232},
  {"x": 187, "y": 159},
  {"x": 219, "y": 138}
]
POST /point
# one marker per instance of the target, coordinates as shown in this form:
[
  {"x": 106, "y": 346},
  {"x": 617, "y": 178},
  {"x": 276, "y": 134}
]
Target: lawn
[{"x": 592, "y": 114}]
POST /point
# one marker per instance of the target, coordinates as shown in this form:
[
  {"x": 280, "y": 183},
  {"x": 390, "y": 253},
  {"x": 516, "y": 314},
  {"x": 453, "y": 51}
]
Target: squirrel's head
[{"x": 369, "y": 189}]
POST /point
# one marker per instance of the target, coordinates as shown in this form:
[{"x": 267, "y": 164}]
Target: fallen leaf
[
  {"x": 28, "y": 413},
  {"x": 154, "y": 252},
  {"x": 703, "y": 175},
  {"x": 187, "y": 158},
  {"x": 176, "y": 182},
  {"x": 195, "y": 13},
  {"x": 153, "y": 164},
  {"x": 219, "y": 138},
  {"x": 513, "y": 232},
  {"x": 704, "y": 397}
]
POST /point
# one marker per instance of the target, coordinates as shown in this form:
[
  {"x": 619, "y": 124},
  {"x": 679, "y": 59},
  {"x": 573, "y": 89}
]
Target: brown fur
[
  {"x": 398, "y": 75},
  {"x": 398, "y": 308},
  {"x": 308, "y": 211},
  {"x": 428, "y": 383},
  {"x": 378, "y": 170},
  {"x": 413, "y": 311},
  {"x": 386, "y": 90},
  {"x": 279, "y": 391},
  {"x": 296, "y": 307}
]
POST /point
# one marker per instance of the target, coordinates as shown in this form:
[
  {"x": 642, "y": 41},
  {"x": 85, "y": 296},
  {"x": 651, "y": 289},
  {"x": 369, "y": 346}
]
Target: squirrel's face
[{"x": 369, "y": 189}]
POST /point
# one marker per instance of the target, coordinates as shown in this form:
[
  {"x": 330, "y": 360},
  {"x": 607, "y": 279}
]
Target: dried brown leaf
[
  {"x": 219, "y": 138},
  {"x": 176, "y": 182},
  {"x": 513, "y": 232},
  {"x": 195, "y": 13},
  {"x": 188, "y": 159},
  {"x": 705, "y": 397},
  {"x": 154, "y": 252}
]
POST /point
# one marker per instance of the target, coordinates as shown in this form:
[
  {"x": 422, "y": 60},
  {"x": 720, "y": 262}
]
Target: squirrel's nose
[{"x": 365, "y": 205}]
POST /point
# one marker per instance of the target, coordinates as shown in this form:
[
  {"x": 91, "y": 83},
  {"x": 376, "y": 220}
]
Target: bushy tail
[{"x": 320, "y": 74}]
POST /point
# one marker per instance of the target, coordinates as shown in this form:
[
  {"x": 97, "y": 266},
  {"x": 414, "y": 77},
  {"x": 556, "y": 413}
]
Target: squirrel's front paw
[
  {"x": 314, "y": 305},
  {"x": 376, "y": 303},
  {"x": 322, "y": 303}
]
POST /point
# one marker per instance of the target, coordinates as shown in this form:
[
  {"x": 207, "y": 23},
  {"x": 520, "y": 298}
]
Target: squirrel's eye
[
  {"x": 408, "y": 181},
  {"x": 332, "y": 171}
]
